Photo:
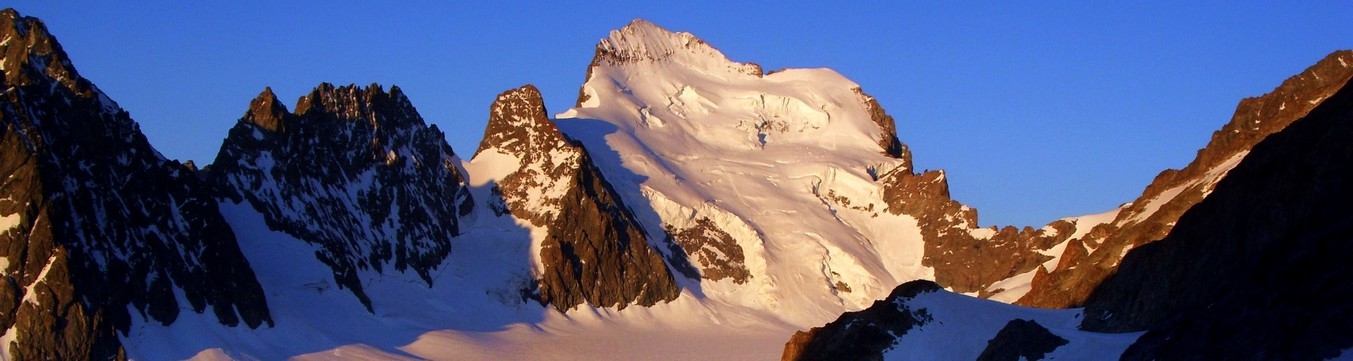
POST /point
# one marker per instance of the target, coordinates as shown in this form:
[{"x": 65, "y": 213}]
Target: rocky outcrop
[
  {"x": 355, "y": 172},
  {"x": 714, "y": 249},
  {"x": 892, "y": 146},
  {"x": 594, "y": 251},
  {"x": 1021, "y": 340},
  {"x": 965, "y": 258},
  {"x": 1173, "y": 192},
  {"x": 865, "y": 334},
  {"x": 1259, "y": 268},
  {"x": 97, "y": 230},
  {"x": 964, "y": 261}
]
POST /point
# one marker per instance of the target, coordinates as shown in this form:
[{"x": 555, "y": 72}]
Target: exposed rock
[
  {"x": 892, "y": 146},
  {"x": 594, "y": 251},
  {"x": 355, "y": 172},
  {"x": 98, "y": 229},
  {"x": 865, "y": 334},
  {"x": 714, "y": 249},
  {"x": 1173, "y": 192},
  {"x": 963, "y": 261},
  {"x": 1258, "y": 269},
  {"x": 1021, "y": 340}
]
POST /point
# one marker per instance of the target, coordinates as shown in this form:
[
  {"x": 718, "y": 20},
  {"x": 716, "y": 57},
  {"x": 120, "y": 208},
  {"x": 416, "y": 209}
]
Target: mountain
[
  {"x": 1255, "y": 269},
  {"x": 795, "y": 174},
  {"x": 1252, "y": 234},
  {"x": 99, "y": 230},
  {"x": 1057, "y": 266},
  {"x": 763, "y": 183},
  {"x": 1088, "y": 260},
  {"x": 688, "y": 205},
  {"x": 593, "y": 251},
  {"x": 355, "y": 172}
]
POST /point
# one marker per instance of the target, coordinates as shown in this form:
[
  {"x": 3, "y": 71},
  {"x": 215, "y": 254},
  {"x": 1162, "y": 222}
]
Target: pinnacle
[
  {"x": 518, "y": 117},
  {"x": 267, "y": 112}
]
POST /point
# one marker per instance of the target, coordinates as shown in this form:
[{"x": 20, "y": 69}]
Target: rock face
[
  {"x": 594, "y": 252},
  {"x": 96, "y": 228},
  {"x": 1173, "y": 192},
  {"x": 355, "y": 172},
  {"x": 1257, "y": 269},
  {"x": 863, "y": 335},
  {"x": 964, "y": 260},
  {"x": 1021, "y": 340},
  {"x": 714, "y": 249},
  {"x": 892, "y": 146}
]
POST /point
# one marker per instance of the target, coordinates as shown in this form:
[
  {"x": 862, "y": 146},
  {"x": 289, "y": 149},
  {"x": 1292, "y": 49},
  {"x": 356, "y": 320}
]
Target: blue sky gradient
[{"x": 1037, "y": 111}]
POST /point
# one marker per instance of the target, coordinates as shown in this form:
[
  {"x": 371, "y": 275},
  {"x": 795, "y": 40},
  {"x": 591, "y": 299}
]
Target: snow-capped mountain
[
  {"x": 766, "y": 182},
  {"x": 355, "y": 172},
  {"x": 688, "y": 206},
  {"x": 788, "y": 190},
  {"x": 97, "y": 230}
]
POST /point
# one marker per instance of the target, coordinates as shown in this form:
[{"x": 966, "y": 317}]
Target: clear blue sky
[{"x": 1037, "y": 111}]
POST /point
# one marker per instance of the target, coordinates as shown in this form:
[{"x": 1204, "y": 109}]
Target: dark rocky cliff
[
  {"x": 99, "y": 229},
  {"x": 1173, "y": 192},
  {"x": 1258, "y": 269}
]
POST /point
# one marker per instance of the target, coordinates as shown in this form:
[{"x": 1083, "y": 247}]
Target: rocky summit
[{"x": 354, "y": 171}]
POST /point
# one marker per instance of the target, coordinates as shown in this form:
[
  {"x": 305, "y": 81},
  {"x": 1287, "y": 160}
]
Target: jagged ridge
[
  {"x": 1257, "y": 269},
  {"x": 1173, "y": 192},
  {"x": 355, "y": 172}
]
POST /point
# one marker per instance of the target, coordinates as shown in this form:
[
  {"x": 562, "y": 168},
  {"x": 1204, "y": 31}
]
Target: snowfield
[{"x": 962, "y": 325}]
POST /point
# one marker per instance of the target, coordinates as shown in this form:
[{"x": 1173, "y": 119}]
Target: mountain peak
[
  {"x": 518, "y": 122},
  {"x": 642, "y": 42},
  {"x": 87, "y": 265},
  {"x": 348, "y": 101},
  {"x": 375, "y": 148},
  {"x": 267, "y": 112},
  {"x": 32, "y": 52}
]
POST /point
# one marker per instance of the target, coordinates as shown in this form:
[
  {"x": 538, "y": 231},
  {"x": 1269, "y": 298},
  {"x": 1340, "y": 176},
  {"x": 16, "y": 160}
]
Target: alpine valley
[{"x": 687, "y": 207}]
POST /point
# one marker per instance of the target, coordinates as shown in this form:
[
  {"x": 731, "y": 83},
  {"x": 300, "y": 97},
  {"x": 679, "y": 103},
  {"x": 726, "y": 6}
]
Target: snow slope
[
  {"x": 473, "y": 310},
  {"x": 962, "y": 325}
]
